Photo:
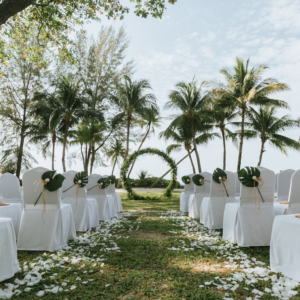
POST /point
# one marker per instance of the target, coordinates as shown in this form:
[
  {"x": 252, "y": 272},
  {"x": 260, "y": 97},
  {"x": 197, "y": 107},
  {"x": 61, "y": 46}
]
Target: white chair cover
[
  {"x": 102, "y": 200},
  {"x": 85, "y": 210},
  {"x": 111, "y": 190},
  {"x": 41, "y": 231},
  {"x": 10, "y": 189},
  {"x": 285, "y": 245},
  {"x": 184, "y": 197},
  {"x": 8, "y": 250},
  {"x": 242, "y": 222},
  {"x": 13, "y": 211},
  {"x": 237, "y": 186},
  {"x": 293, "y": 206},
  {"x": 212, "y": 208},
  {"x": 276, "y": 183},
  {"x": 283, "y": 185},
  {"x": 196, "y": 198}
]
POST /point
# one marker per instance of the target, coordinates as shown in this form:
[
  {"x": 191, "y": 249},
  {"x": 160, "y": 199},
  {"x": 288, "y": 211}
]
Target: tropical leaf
[
  {"x": 250, "y": 177},
  {"x": 55, "y": 182},
  {"x": 220, "y": 176},
  {"x": 112, "y": 179},
  {"x": 81, "y": 178},
  {"x": 103, "y": 183},
  {"x": 198, "y": 179},
  {"x": 186, "y": 179}
]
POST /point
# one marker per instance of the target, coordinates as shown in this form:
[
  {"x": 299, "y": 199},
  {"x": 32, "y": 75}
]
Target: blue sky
[{"x": 198, "y": 38}]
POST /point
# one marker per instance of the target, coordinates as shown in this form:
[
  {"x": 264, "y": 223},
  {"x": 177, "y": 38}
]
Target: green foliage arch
[{"x": 126, "y": 181}]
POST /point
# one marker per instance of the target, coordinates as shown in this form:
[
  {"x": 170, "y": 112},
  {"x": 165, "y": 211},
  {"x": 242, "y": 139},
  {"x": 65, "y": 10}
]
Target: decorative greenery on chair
[
  {"x": 198, "y": 179},
  {"x": 186, "y": 179},
  {"x": 51, "y": 183},
  {"x": 112, "y": 179},
  {"x": 219, "y": 176},
  {"x": 80, "y": 179},
  {"x": 130, "y": 159},
  {"x": 250, "y": 177}
]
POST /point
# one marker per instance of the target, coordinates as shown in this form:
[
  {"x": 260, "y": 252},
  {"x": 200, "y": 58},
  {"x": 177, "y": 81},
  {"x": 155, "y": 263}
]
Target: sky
[{"x": 197, "y": 38}]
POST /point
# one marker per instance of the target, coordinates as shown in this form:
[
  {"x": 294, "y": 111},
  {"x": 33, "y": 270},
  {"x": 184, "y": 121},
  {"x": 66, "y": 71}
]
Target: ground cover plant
[{"x": 150, "y": 251}]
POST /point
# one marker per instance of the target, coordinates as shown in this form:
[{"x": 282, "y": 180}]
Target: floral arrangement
[
  {"x": 102, "y": 183},
  {"x": 80, "y": 179},
  {"x": 220, "y": 176}
]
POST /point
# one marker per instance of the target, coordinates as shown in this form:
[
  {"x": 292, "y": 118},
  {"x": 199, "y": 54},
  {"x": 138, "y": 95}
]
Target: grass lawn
[{"x": 151, "y": 251}]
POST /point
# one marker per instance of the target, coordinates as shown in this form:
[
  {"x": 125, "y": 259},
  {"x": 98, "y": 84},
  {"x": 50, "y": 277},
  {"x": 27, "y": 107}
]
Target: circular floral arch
[{"x": 127, "y": 163}]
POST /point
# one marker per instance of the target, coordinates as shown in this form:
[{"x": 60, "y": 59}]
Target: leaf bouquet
[
  {"x": 198, "y": 180},
  {"x": 220, "y": 176},
  {"x": 51, "y": 183},
  {"x": 102, "y": 183},
  {"x": 250, "y": 177},
  {"x": 186, "y": 179}
]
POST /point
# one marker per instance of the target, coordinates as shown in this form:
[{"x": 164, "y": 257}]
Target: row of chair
[{"x": 246, "y": 219}]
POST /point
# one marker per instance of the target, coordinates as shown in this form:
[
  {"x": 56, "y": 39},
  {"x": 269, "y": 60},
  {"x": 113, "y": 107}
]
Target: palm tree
[
  {"x": 46, "y": 132},
  {"x": 267, "y": 126},
  {"x": 150, "y": 118},
  {"x": 245, "y": 87},
  {"x": 115, "y": 153},
  {"x": 130, "y": 97},
  {"x": 221, "y": 118},
  {"x": 188, "y": 98}
]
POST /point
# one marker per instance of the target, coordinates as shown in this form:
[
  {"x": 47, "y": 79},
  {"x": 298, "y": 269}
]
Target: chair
[
  {"x": 39, "y": 230},
  {"x": 8, "y": 250},
  {"x": 237, "y": 186},
  {"x": 101, "y": 198},
  {"x": 212, "y": 208},
  {"x": 85, "y": 210},
  {"x": 184, "y": 197},
  {"x": 283, "y": 185},
  {"x": 200, "y": 192},
  {"x": 293, "y": 203},
  {"x": 10, "y": 188},
  {"x": 249, "y": 222},
  {"x": 111, "y": 190}
]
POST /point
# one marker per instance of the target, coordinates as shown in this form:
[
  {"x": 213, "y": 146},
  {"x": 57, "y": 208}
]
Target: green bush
[{"x": 147, "y": 182}]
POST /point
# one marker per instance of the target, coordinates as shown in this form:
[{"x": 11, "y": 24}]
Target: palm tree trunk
[
  {"x": 53, "y": 149},
  {"x": 261, "y": 152},
  {"x": 140, "y": 148},
  {"x": 20, "y": 156},
  {"x": 170, "y": 170},
  {"x": 241, "y": 141},
  {"x": 195, "y": 147},
  {"x": 64, "y": 147},
  {"x": 127, "y": 137},
  {"x": 112, "y": 172},
  {"x": 92, "y": 158},
  {"x": 193, "y": 166},
  {"x": 224, "y": 149}
]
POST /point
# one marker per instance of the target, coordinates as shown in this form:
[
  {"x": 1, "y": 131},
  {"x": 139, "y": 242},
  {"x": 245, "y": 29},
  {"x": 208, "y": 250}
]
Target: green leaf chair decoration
[
  {"x": 112, "y": 179},
  {"x": 198, "y": 179},
  {"x": 102, "y": 184},
  {"x": 220, "y": 176},
  {"x": 186, "y": 179},
  {"x": 250, "y": 177},
  {"x": 51, "y": 183}
]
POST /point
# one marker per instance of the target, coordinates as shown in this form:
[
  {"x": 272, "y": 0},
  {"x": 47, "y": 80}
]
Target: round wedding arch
[{"x": 126, "y": 181}]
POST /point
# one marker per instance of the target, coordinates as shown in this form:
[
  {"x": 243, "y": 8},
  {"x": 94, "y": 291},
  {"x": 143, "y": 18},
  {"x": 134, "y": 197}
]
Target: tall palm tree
[
  {"x": 42, "y": 106},
  {"x": 222, "y": 117},
  {"x": 150, "y": 118},
  {"x": 131, "y": 98},
  {"x": 245, "y": 87},
  {"x": 189, "y": 99},
  {"x": 115, "y": 153},
  {"x": 265, "y": 125}
]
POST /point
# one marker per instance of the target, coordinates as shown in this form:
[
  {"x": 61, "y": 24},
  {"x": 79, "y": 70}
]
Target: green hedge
[{"x": 147, "y": 182}]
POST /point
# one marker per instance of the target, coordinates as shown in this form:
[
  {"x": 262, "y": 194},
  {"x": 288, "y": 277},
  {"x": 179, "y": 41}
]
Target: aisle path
[{"x": 149, "y": 255}]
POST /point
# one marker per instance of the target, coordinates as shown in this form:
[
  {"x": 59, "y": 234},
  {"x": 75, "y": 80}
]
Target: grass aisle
[{"x": 151, "y": 251}]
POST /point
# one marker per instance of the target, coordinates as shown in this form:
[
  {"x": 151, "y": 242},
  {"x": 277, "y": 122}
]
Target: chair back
[
  {"x": 94, "y": 192},
  {"x": 276, "y": 182},
  {"x": 10, "y": 189},
  {"x": 218, "y": 191},
  {"x": 283, "y": 184},
  {"x": 71, "y": 192},
  {"x": 205, "y": 188},
  {"x": 32, "y": 188},
  {"x": 251, "y": 196},
  {"x": 294, "y": 196}
]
